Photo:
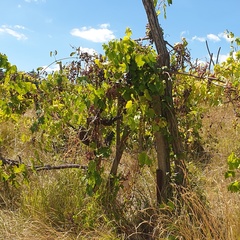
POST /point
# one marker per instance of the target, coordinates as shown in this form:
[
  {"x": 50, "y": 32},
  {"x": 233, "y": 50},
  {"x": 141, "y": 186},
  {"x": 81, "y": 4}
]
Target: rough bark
[
  {"x": 165, "y": 110},
  {"x": 157, "y": 33},
  {"x": 162, "y": 149},
  {"x": 163, "y": 171}
]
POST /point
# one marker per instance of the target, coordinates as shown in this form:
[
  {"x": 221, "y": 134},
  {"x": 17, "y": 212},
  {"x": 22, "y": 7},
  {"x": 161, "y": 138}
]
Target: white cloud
[
  {"x": 51, "y": 68},
  {"x": 36, "y": 1},
  {"x": 19, "y": 27},
  {"x": 102, "y": 34},
  {"x": 91, "y": 51},
  {"x": 200, "y": 39},
  {"x": 225, "y": 36},
  {"x": 183, "y": 33},
  {"x": 13, "y": 31},
  {"x": 213, "y": 37},
  {"x": 222, "y": 57}
]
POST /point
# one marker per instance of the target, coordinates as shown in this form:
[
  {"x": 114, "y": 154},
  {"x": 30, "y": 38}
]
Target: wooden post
[
  {"x": 162, "y": 144},
  {"x": 160, "y": 178}
]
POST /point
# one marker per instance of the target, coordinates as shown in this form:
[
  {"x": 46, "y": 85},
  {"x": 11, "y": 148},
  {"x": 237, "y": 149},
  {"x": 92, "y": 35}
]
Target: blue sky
[{"x": 30, "y": 29}]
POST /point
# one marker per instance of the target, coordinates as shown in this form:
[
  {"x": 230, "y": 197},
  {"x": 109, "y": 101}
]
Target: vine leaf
[
  {"x": 139, "y": 60},
  {"x": 129, "y": 104},
  {"x": 144, "y": 159}
]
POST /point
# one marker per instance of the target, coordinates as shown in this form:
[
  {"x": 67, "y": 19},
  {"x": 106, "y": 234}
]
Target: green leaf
[
  {"x": 233, "y": 161},
  {"x": 234, "y": 187},
  {"x": 39, "y": 68},
  {"x": 144, "y": 159},
  {"x": 72, "y": 54},
  {"x": 150, "y": 113},
  {"x": 147, "y": 95},
  {"x": 229, "y": 174},
  {"x": 139, "y": 60}
]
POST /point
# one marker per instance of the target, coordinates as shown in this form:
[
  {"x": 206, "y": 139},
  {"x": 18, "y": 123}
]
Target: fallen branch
[
  {"x": 10, "y": 162},
  {"x": 63, "y": 166}
]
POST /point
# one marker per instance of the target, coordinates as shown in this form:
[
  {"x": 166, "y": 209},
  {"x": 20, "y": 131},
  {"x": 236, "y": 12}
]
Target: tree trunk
[
  {"x": 167, "y": 111},
  {"x": 162, "y": 148},
  {"x": 157, "y": 33},
  {"x": 121, "y": 139}
]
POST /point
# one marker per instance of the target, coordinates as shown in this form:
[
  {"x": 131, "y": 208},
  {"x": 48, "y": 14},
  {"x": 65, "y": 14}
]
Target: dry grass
[
  {"x": 55, "y": 205},
  {"x": 14, "y": 226},
  {"x": 221, "y": 134}
]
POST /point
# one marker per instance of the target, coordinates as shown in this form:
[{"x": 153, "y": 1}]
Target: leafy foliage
[
  {"x": 107, "y": 100},
  {"x": 233, "y": 166}
]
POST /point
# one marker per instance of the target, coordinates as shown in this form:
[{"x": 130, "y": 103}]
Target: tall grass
[
  {"x": 59, "y": 199},
  {"x": 54, "y": 205}
]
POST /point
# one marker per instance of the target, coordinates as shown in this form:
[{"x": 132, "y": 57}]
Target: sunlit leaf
[
  {"x": 128, "y": 32},
  {"x": 129, "y": 104},
  {"x": 139, "y": 60}
]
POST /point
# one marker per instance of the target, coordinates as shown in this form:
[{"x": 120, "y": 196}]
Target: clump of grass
[
  {"x": 14, "y": 226},
  {"x": 8, "y": 136},
  {"x": 186, "y": 216},
  {"x": 196, "y": 220},
  {"x": 221, "y": 135},
  {"x": 60, "y": 200}
]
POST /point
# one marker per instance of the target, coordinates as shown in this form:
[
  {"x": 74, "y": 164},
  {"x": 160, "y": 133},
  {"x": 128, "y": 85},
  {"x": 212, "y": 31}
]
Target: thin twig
[
  {"x": 218, "y": 53},
  {"x": 210, "y": 54}
]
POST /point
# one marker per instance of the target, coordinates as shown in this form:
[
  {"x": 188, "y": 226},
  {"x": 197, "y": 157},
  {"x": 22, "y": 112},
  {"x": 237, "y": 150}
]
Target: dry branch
[
  {"x": 10, "y": 162},
  {"x": 62, "y": 166}
]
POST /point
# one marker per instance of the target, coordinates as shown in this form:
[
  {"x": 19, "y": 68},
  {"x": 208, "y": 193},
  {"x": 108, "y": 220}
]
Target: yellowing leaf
[
  {"x": 25, "y": 138},
  {"x": 128, "y": 32},
  {"x": 139, "y": 60},
  {"x": 97, "y": 61},
  {"x": 129, "y": 104}
]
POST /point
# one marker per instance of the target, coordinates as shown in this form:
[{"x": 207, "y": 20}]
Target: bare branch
[
  {"x": 210, "y": 55},
  {"x": 218, "y": 53}
]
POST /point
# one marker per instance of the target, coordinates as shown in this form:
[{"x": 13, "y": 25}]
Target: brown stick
[
  {"x": 11, "y": 162},
  {"x": 63, "y": 166}
]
